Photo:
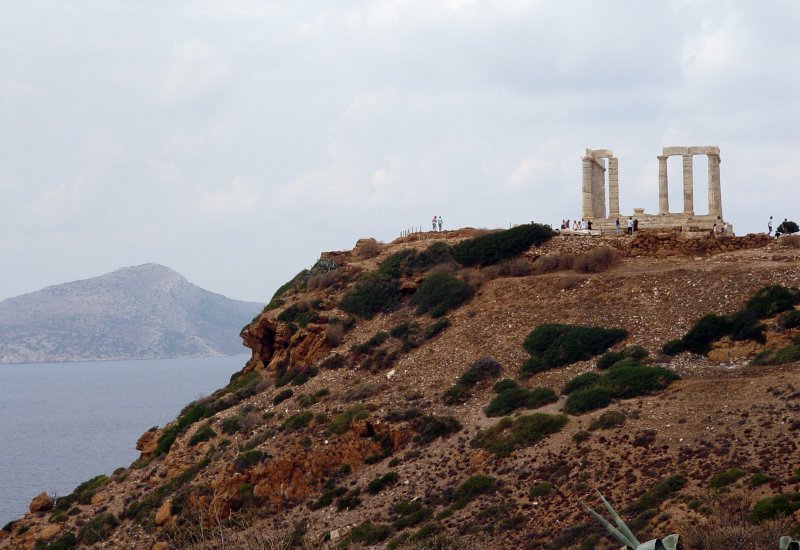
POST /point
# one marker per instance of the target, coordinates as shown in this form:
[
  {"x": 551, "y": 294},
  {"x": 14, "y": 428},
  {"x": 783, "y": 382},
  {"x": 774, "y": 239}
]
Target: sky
[{"x": 235, "y": 140}]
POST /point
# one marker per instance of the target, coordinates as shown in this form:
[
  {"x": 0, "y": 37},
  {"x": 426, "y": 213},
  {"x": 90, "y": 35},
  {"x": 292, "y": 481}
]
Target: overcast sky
[{"x": 235, "y": 140}]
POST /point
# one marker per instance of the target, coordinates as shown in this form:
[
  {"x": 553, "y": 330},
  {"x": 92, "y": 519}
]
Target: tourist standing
[
  {"x": 440, "y": 223},
  {"x": 769, "y": 227},
  {"x": 630, "y": 226},
  {"x": 635, "y": 225},
  {"x": 433, "y": 224},
  {"x": 616, "y": 225}
]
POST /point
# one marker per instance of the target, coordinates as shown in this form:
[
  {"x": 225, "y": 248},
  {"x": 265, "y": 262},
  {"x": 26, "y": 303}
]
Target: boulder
[
  {"x": 49, "y": 532},
  {"x": 147, "y": 443},
  {"x": 41, "y": 503},
  {"x": 164, "y": 513},
  {"x": 160, "y": 546}
]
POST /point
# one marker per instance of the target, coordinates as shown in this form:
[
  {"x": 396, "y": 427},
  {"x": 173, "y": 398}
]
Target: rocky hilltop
[
  {"x": 142, "y": 312},
  {"x": 466, "y": 390}
]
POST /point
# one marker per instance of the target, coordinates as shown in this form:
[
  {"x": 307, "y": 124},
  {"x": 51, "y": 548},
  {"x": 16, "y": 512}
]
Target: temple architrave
[{"x": 599, "y": 162}]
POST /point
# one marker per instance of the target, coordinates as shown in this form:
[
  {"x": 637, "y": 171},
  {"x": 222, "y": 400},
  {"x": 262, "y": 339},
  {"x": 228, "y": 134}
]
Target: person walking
[
  {"x": 769, "y": 227},
  {"x": 440, "y": 223}
]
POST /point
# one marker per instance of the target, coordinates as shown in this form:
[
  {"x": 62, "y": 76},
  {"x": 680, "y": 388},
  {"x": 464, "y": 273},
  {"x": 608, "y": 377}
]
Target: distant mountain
[{"x": 142, "y": 312}]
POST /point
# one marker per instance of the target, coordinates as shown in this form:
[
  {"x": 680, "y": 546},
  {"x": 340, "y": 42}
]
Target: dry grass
[
  {"x": 595, "y": 260},
  {"x": 729, "y": 527},
  {"x": 369, "y": 249},
  {"x": 789, "y": 241},
  {"x": 334, "y": 334}
]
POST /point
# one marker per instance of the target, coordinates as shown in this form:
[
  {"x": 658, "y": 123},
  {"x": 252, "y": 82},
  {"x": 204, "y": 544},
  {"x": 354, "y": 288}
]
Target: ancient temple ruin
[{"x": 600, "y": 165}]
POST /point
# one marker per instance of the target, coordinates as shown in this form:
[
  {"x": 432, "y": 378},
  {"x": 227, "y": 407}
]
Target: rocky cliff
[
  {"x": 142, "y": 312},
  {"x": 396, "y": 398}
]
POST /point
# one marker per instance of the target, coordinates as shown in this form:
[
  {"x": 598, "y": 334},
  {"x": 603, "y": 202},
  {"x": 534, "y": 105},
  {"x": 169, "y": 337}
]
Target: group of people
[
  {"x": 576, "y": 224},
  {"x": 716, "y": 228},
  {"x": 437, "y": 220},
  {"x": 781, "y": 228}
]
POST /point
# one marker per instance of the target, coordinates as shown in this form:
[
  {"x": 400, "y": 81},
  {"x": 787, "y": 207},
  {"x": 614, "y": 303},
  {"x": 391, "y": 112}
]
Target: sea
[{"x": 64, "y": 423}]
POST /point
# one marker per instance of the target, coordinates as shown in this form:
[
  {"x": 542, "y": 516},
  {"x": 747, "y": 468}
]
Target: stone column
[
  {"x": 663, "y": 186},
  {"x": 714, "y": 191},
  {"x": 599, "y": 189},
  {"x": 613, "y": 187},
  {"x": 587, "y": 187},
  {"x": 688, "y": 185}
]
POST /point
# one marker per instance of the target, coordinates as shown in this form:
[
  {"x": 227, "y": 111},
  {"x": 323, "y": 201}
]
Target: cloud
[
  {"x": 196, "y": 72},
  {"x": 241, "y": 197}
]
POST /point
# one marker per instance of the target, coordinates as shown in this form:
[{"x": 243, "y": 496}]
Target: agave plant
[
  {"x": 786, "y": 543},
  {"x": 625, "y": 536}
]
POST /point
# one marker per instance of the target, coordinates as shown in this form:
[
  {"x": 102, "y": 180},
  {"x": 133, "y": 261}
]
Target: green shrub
[
  {"x": 457, "y": 394},
  {"x": 658, "y": 493},
  {"x": 632, "y": 380},
  {"x": 540, "y": 489},
  {"x": 341, "y": 422},
  {"x": 589, "y": 399},
  {"x": 744, "y": 325},
  {"x": 532, "y": 365},
  {"x": 673, "y": 347},
  {"x": 349, "y": 501},
  {"x": 82, "y": 494},
  {"x": 248, "y": 459},
  {"x": 432, "y": 427},
  {"x": 635, "y": 352},
  {"x": 790, "y": 319},
  {"x": 481, "y": 369},
  {"x": 282, "y": 396},
  {"x": 471, "y": 489},
  {"x": 433, "y": 330},
  {"x": 382, "y": 482},
  {"x": 204, "y": 433},
  {"x": 296, "y": 375},
  {"x": 298, "y": 421},
  {"x": 788, "y": 354},
  {"x": 775, "y": 506},
  {"x": 98, "y": 528},
  {"x": 707, "y": 329},
  {"x": 299, "y": 314},
  {"x": 723, "y": 479},
  {"x": 507, "y": 435},
  {"x": 66, "y": 541},
  {"x": 771, "y": 300},
  {"x": 585, "y": 380},
  {"x": 372, "y": 294},
  {"x": 790, "y": 227},
  {"x": 440, "y": 293},
  {"x": 327, "y": 496},
  {"x": 559, "y": 344},
  {"x": 509, "y": 400},
  {"x": 370, "y": 533},
  {"x": 608, "y": 359},
  {"x": 504, "y": 384},
  {"x": 409, "y": 261},
  {"x": 411, "y": 514},
  {"x": 607, "y": 420},
  {"x": 758, "y": 479},
  {"x": 495, "y": 247}
]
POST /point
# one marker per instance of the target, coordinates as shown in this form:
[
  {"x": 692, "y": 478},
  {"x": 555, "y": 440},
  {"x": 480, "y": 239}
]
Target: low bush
[
  {"x": 433, "y": 330},
  {"x": 341, "y": 422},
  {"x": 439, "y": 293},
  {"x": 369, "y": 533},
  {"x": 296, "y": 375},
  {"x": 775, "y": 506},
  {"x": 298, "y": 421},
  {"x": 507, "y": 435},
  {"x": 585, "y": 380},
  {"x": 540, "y": 489},
  {"x": 282, "y": 396},
  {"x": 632, "y": 380},
  {"x": 532, "y": 365},
  {"x": 504, "y": 384},
  {"x": 301, "y": 313},
  {"x": 595, "y": 260},
  {"x": 482, "y": 369},
  {"x": 673, "y": 347},
  {"x": 557, "y": 344},
  {"x": 66, "y": 541},
  {"x": 790, "y": 319},
  {"x": 706, "y": 330},
  {"x": 372, "y": 294},
  {"x": 431, "y": 427},
  {"x": 772, "y": 300},
  {"x": 204, "y": 433},
  {"x": 758, "y": 479},
  {"x": 723, "y": 479},
  {"x": 788, "y": 354},
  {"x": 248, "y": 459},
  {"x": 327, "y": 496},
  {"x": 658, "y": 493},
  {"x": 607, "y": 420},
  {"x": 588, "y": 399},
  {"x": 511, "y": 399},
  {"x": 409, "y": 261},
  {"x": 410, "y": 514},
  {"x": 349, "y": 501},
  {"x": 82, "y": 494},
  {"x": 333, "y": 361},
  {"x": 382, "y": 482},
  {"x": 457, "y": 394},
  {"x": 97, "y": 529},
  {"x": 471, "y": 489},
  {"x": 496, "y": 247},
  {"x": 369, "y": 248},
  {"x": 608, "y": 359}
]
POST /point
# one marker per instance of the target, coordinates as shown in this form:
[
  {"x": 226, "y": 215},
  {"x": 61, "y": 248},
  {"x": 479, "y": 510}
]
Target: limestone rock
[
  {"x": 97, "y": 499},
  {"x": 160, "y": 546},
  {"x": 164, "y": 513},
  {"x": 147, "y": 442},
  {"x": 41, "y": 503},
  {"x": 49, "y": 532}
]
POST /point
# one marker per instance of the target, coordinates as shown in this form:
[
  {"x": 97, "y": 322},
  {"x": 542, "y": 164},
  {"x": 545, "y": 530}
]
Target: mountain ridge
[{"x": 148, "y": 311}]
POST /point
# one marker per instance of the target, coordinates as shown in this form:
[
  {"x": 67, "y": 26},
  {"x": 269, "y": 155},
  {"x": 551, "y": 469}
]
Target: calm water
[{"x": 63, "y": 423}]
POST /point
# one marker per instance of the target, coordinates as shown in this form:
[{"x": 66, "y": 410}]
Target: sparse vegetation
[
  {"x": 203, "y": 433},
  {"x": 372, "y": 294},
  {"x": 775, "y": 506},
  {"x": 482, "y": 369},
  {"x": 511, "y": 399},
  {"x": 409, "y": 261},
  {"x": 97, "y": 529},
  {"x": 298, "y": 421},
  {"x": 382, "y": 482},
  {"x": 432, "y": 427},
  {"x": 557, "y": 344},
  {"x": 607, "y": 420},
  {"x": 341, "y": 422},
  {"x": 723, "y": 479}
]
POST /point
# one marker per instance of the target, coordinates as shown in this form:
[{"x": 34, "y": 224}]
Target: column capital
[
  {"x": 687, "y": 156},
  {"x": 662, "y": 157}
]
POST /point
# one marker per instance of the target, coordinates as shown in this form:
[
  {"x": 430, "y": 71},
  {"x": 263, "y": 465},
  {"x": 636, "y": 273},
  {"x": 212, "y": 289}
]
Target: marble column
[
  {"x": 663, "y": 186},
  {"x": 599, "y": 189},
  {"x": 613, "y": 187},
  {"x": 688, "y": 185},
  {"x": 714, "y": 191},
  {"x": 587, "y": 187}
]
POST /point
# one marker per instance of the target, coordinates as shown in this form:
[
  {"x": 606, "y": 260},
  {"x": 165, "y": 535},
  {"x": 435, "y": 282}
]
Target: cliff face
[
  {"x": 141, "y": 312},
  {"x": 364, "y": 428}
]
